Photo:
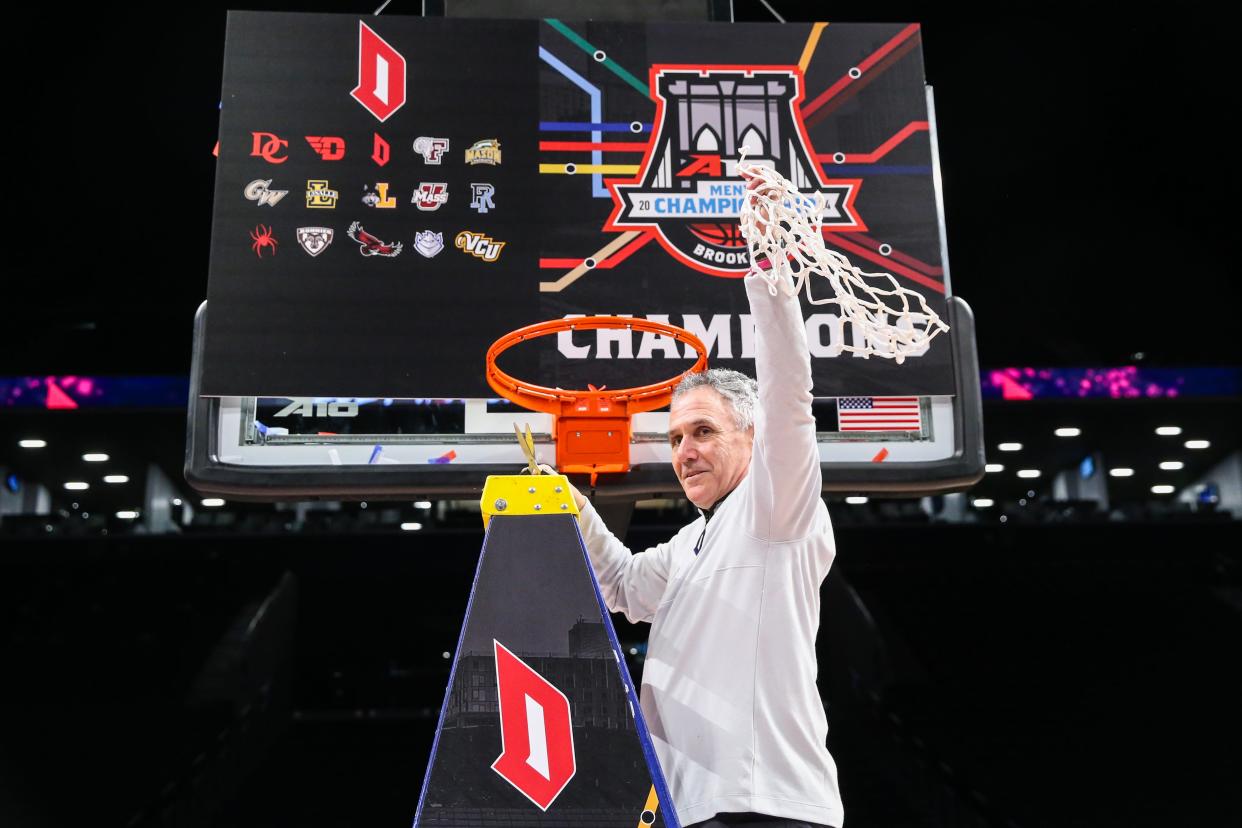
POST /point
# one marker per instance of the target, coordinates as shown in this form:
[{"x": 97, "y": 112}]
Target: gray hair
[{"x": 739, "y": 390}]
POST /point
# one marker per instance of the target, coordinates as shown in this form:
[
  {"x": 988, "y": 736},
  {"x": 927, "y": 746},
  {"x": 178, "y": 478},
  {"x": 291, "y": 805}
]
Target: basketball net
[{"x": 784, "y": 230}]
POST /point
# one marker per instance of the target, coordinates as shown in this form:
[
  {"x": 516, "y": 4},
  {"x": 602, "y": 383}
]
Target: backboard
[{"x": 396, "y": 198}]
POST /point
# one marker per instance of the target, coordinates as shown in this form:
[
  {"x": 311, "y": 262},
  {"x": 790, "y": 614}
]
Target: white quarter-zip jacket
[{"x": 729, "y": 680}]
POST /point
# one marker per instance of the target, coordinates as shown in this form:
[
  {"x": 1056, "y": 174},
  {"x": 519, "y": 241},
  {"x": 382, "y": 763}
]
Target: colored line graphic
[
  {"x": 608, "y": 62},
  {"x": 596, "y": 169},
  {"x": 811, "y": 42},
  {"x": 887, "y": 262},
  {"x": 587, "y": 126},
  {"x": 575, "y": 274},
  {"x": 882, "y": 150},
  {"x": 828, "y": 94},
  {"x": 598, "y": 190}
]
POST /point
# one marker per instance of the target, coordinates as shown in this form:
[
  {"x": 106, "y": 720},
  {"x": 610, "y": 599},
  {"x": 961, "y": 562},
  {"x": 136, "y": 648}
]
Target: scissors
[{"x": 527, "y": 442}]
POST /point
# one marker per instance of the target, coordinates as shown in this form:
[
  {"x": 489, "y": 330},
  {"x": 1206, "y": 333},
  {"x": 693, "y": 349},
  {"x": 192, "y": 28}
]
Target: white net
[{"x": 784, "y": 231}]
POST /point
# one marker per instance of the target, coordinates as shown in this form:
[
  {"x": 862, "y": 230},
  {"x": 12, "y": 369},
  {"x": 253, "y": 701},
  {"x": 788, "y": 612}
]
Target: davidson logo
[
  {"x": 536, "y": 732},
  {"x": 688, "y": 190}
]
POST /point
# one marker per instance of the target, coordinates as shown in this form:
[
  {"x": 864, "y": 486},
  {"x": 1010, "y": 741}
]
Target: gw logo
[{"x": 310, "y": 408}]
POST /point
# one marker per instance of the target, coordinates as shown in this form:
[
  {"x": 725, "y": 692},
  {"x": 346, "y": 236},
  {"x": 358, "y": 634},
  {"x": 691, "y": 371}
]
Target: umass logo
[{"x": 688, "y": 190}]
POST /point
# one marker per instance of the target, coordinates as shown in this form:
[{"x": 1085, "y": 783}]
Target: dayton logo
[
  {"x": 381, "y": 75},
  {"x": 536, "y": 731},
  {"x": 688, "y": 190},
  {"x": 431, "y": 149},
  {"x": 430, "y": 195},
  {"x": 329, "y": 147},
  {"x": 315, "y": 240},
  {"x": 478, "y": 245},
  {"x": 260, "y": 190}
]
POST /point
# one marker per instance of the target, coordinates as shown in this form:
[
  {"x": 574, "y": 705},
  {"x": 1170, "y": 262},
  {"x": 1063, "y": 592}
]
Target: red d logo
[
  {"x": 536, "y": 731},
  {"x": 381, "y": 75}
]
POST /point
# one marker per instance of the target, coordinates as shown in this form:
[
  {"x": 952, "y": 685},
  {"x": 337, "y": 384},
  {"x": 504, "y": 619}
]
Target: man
[{"x": 733, "y": 598}]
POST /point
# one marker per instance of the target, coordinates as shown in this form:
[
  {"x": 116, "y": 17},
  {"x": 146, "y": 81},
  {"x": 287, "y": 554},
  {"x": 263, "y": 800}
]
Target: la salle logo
[{"x": 688, "y": 190}]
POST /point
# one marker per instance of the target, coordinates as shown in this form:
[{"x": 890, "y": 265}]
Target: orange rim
[{"x": 552, "y": 400}]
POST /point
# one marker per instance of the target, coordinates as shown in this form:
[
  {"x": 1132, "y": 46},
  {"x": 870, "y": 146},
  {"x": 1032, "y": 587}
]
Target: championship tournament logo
[{"x": 688, "y": 190}]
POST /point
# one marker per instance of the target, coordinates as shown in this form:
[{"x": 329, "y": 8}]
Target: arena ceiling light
[
  {"x": 982, "y": 502},
  {"x": 95, "y": 457},
  {"x": 1169, "y": 431},
  {"x": 1028, "y": 473},
  {"x": 411, "y": 527},
  {"x": 1121, "y": 472},
  {"x": 993, "y": 467},
  {"x": 77, "y": 486},
  {"x": 116, "y": 478},
  {"x": 212, "y": 502},
  {"x": 1068, "y": 432},
  {"x": 1162, "y": 488},
  {"x": 127, "y": 514},
  {"x": 1197, "y": 444},
  {"x": 1010, "y": 447},
  {"x": 422, "y": 504},
  {"x": 32, "y": 444},
  {"x": 1172, "y": 465},
  {"x": 856, "y": 500}
]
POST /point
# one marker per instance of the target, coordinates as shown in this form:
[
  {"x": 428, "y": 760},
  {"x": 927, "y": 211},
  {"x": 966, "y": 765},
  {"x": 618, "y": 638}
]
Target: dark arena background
[{"x": 1056, "y": 644}]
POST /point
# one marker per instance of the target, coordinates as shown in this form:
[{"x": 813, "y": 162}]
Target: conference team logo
[
  {"x": 269, "y": 147},
  {"x": 536, "y": 731},
  {"x": 381, "y": 75},
  {"x": 431, "y": 149},
  {"x": 315, "y": 240},
  {"x": 430, "y": 195},
  {"x": 328, "y": 147},
  {"x": 486, "y": 151},
  {"x": 320, "y": 196},
  {"x": 688, "y": 191},
  {"x": 369, "y": 245},
  {"x": 481, "y": 197},
  {"x": 378, "y": 197},
  {"x": 380, "y": 150},
  {"x": 260, "y": 191},
  {"x": 479, "y": 245},
  {"x": 263, "y": 238},
  {"x": 428, "y": 244}
]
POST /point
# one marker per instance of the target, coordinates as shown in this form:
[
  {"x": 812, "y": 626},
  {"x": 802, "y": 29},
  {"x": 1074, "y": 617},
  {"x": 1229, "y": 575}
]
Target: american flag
[{"x": 878, "y": 414}]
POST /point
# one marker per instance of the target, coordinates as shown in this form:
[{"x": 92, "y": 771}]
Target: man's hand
[{"x": 762, "y": 216}]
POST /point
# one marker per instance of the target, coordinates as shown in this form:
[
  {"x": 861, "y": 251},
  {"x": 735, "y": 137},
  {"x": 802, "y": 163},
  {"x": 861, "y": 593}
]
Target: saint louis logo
[
  {"x": 688, "y": 190},
  {"x": 481, "y": 197},
  {"x": 315, "y": 240},
  {"x": 428, "y": 243}
]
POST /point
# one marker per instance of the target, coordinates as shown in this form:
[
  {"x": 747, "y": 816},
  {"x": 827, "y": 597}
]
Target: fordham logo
[
  {"x": 381, "y": 75},
  {"x": 431, "y": 149},
  {"x": 688, "y": 190},
  {"x": 536, "y": 731}
]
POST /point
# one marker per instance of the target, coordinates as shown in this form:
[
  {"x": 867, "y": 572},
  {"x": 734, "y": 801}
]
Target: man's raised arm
[{"x": 785, "y": 472}]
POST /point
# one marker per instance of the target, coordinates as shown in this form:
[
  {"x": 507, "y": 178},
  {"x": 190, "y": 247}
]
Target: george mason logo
[
  {"x": 688, "y": 190},
  {"x": 486, "y": 151}
]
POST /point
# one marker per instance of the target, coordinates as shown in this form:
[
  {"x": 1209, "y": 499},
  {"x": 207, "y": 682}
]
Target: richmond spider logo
[{"x": 688, "y": 190}]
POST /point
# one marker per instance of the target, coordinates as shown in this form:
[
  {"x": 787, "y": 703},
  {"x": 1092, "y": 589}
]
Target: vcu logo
[
  {"x": 478, "y": 245},
  {"x": 381, "y": 75},
  {"x": 536, "y": 731},
  {"x": 430, "y": 195}
]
